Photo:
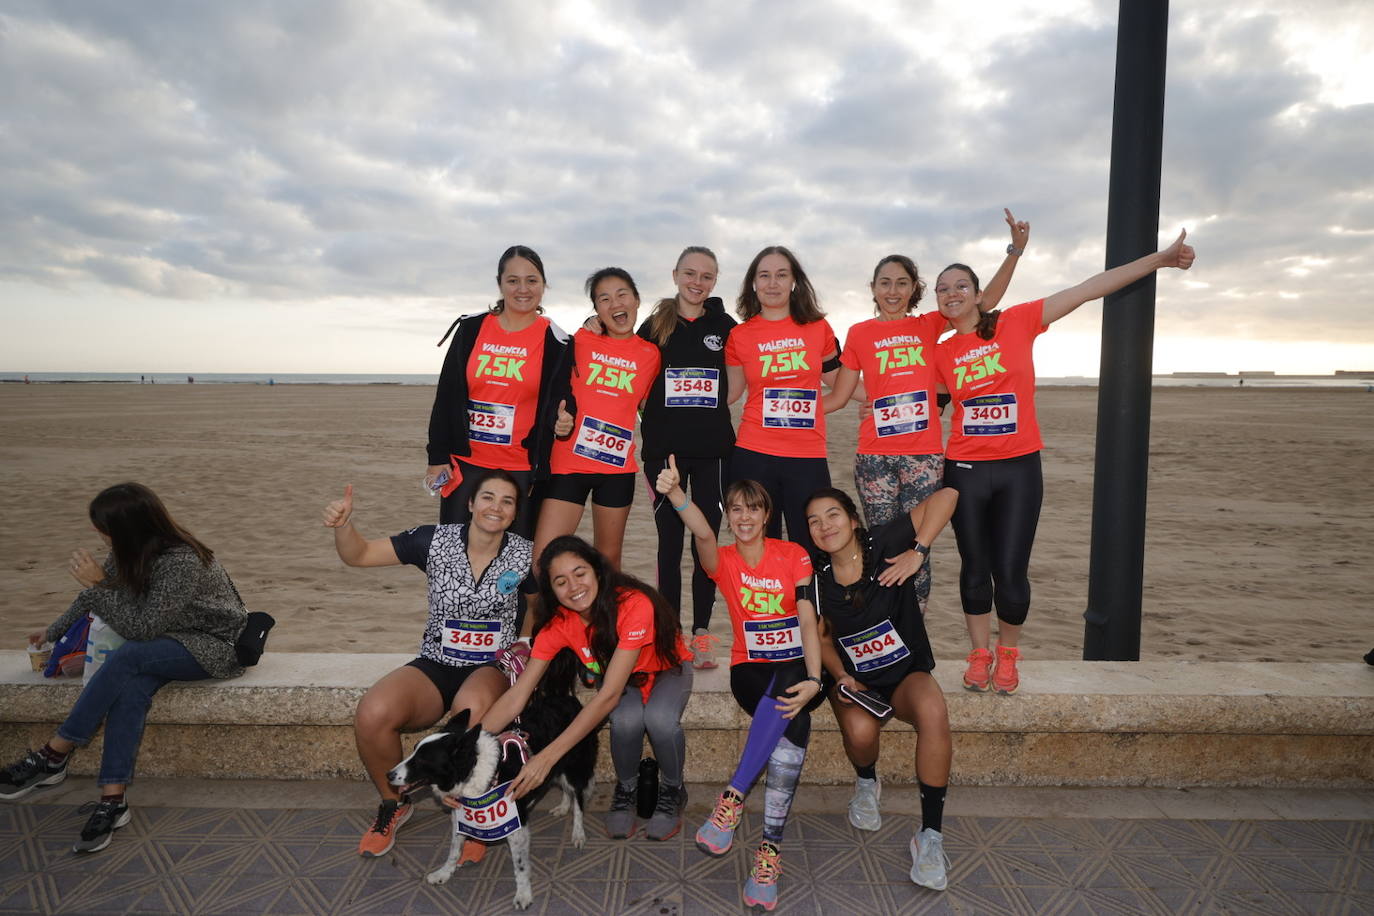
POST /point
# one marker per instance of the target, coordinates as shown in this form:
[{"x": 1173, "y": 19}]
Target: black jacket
[
  {"x": 448, "y": 420},
  {"x": 691, "y": 432}
]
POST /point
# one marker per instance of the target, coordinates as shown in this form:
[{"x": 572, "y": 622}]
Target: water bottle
[{"x": 647, "y": 798}]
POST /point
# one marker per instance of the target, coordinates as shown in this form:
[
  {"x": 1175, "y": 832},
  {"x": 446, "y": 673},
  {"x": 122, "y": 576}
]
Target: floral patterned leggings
[{"x": 889, "y": 484}]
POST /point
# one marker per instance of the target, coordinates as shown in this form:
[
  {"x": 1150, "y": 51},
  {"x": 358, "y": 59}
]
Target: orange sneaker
[
  {"x": 381, "y": 836},
  {"x": 474, "y": 851},
  {"x": 978, "y": 674},
  {"x": 704, "y": 650},
  {"x": 1005, "y": 678}
]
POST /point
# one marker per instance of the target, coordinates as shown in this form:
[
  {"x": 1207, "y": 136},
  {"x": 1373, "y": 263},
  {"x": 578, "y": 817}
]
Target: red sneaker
[
  {"x": 1005, "y": 678},
  {"x": 978, "y": 674}
]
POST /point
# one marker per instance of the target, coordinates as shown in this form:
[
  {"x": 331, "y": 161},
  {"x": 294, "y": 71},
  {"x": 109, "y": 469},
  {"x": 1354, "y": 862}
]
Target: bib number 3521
[{"x": 773, "y": 640}]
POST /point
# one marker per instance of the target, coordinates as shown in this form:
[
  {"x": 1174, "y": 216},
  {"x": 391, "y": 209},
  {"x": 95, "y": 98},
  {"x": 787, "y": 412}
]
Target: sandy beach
[{"x": 1259, "y": 511}]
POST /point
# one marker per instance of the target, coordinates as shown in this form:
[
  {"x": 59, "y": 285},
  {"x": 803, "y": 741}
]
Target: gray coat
[{"x": 186, "y": 600}]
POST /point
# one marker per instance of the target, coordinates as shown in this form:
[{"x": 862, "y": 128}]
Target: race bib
[
  {"x": 488, "y": 817},
  {"x": 898, "y": 414},
  {"x": 790, "y": 408},
  {"x": 876, "y": 647},
  {"x": 491, "y": 422},
  {"x": 691, "y": 387},
  {"x": 471, "y": 642},
  {"x": 773, "y": 640},
  {"x": 604, "y": 442},
  {"x": 990, "y": 415}
]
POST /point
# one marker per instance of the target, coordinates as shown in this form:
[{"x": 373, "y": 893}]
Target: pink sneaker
[{"x": 1005, "y": 678}]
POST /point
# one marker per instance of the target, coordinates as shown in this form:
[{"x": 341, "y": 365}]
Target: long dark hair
[
  {"x": 987, "y": 321},
  {"x": 610, "y": 584},
  {"x": 517, "y": 251},
  {"x": 802, "y": 304},
  {"x": 663, "y": 319},
  {"x": 140, "y": 529}
]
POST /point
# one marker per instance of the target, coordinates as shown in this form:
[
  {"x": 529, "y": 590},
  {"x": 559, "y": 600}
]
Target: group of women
[{"x": 528, "y": 423}]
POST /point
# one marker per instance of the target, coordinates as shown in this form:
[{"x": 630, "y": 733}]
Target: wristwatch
[
  {"x": 819, "y": 683},
  {"x": 922, "y": 549},
  {"x": 1012, "y": 249}
]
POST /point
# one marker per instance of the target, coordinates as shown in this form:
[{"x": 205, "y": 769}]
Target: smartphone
[
  {"x": 875, "y": 705},
  {"x": 438, "y": 484}
]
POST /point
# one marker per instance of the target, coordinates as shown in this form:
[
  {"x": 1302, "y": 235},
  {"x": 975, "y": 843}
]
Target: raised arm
[
  {"x": 669, "y": 483},
  {"x": 1179, "y": 255},
  {"x": 997, "y": 286},
  {"x": 353, "y": 548}
]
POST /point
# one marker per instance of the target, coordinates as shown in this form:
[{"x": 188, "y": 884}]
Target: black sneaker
[
  {"x": 667, "y": 819},
  {"x": 106, "y": 818},
  {"x": 30, "y": 772},
  {"x": 620, "y": 820}
]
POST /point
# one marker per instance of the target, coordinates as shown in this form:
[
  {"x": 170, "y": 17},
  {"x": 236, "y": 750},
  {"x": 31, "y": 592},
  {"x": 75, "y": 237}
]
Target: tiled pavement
[{"x": 238, "y": 859}]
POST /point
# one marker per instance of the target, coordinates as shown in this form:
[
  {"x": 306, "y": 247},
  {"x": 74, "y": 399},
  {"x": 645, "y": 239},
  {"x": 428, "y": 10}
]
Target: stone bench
[{"x": 1157, "y": 723}]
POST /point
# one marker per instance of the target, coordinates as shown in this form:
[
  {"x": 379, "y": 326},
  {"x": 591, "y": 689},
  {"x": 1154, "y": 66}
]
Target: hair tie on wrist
[{"x": 681, "y": 508}]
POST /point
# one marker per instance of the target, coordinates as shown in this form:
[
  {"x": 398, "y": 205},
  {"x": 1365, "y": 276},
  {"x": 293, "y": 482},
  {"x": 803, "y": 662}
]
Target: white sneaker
[
  {"x": 863, "y": 807},
  {"x": 929, "y": 863}
]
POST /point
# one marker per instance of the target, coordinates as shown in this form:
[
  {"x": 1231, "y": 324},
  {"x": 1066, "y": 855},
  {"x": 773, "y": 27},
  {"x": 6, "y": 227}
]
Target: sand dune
[{"x": 1259, "y": 511}]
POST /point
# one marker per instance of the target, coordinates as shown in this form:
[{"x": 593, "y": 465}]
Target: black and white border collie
[{"x": 463, "y": 762}]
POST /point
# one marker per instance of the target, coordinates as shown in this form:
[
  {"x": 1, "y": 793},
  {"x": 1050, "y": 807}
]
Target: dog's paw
[
  {"x": 439, "y": 876},
  {"x": 523, "y": 899},
  {"x": 579, "y": 839},
  {"x": 563, "y": 807}
]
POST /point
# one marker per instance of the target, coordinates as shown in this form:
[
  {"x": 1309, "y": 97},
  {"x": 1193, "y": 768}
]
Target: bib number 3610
[{"x": 489, "y": 816}]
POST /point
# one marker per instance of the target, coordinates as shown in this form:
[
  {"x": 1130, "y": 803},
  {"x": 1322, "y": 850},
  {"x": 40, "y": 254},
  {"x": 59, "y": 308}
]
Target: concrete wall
[{"x": 1171, "y": 723}]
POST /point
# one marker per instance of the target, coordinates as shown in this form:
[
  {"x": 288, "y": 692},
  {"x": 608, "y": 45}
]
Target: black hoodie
[{"x": 692, "y": 432}]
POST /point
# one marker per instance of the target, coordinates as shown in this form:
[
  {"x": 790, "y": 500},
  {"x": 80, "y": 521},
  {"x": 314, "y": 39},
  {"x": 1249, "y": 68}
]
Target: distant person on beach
[
  {"x": 164, "y": 592},
  {"x": 612, "y": 371},
  {"x": 875, "y": 647},
  {"x": 478, "y": 573},
  {"x": 779, "y": 356},
  {"x": 493, "y": 406},
  {"x": 993, "y": 454},
  {"x": 688, "y": 415}
]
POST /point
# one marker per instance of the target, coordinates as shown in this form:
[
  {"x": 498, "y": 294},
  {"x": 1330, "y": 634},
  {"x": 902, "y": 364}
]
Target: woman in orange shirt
[{"x": 993, "y": 454}]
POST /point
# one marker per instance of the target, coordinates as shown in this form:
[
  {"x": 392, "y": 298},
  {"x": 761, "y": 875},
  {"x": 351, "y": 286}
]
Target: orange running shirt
[
  {"x": 782, "y": 367},
  {"x": 503, "y": 393},
  {"x": 992, "y": 384},
  {"x": 634, "y": 630},
  {"x": 762, "y": 601},
  {"x": 610, "y": 379},
  {"x": 897, "y": 359}
]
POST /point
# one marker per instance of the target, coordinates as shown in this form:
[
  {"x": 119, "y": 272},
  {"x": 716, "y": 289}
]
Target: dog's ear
[{"x": 458, "y": 723}]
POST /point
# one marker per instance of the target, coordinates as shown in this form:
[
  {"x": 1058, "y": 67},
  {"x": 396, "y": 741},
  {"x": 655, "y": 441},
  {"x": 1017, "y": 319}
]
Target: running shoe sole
[{"x": 52, "y": 780}]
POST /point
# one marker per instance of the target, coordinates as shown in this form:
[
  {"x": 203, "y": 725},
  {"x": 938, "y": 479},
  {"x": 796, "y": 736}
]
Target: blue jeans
[{"x": 119, "y": 694}]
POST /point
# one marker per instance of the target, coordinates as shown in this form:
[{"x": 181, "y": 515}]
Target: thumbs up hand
[
  {"x": 668, "y": 478},
  {"x": 563, "y": 426},
  {"x": 337, "y": 513}
]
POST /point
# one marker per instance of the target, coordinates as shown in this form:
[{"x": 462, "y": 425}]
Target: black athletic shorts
[
  {"x": 610, "y": 491},
  {"x": 447, "y": 678}
]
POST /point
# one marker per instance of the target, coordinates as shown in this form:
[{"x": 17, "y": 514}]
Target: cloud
[{"x": 388, "y": 151}]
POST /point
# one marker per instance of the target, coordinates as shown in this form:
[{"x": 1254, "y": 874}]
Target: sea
[{"x": 1349, "y": 380}]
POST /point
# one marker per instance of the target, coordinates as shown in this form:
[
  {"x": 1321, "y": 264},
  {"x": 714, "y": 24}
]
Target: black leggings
[
  {"x": 706, "y": 478},
  {"x": 994, "y": 523},
  {"x": 789, "y": 482}
]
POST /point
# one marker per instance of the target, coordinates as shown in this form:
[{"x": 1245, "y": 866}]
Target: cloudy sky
[{"x": 321, "y": 187}]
